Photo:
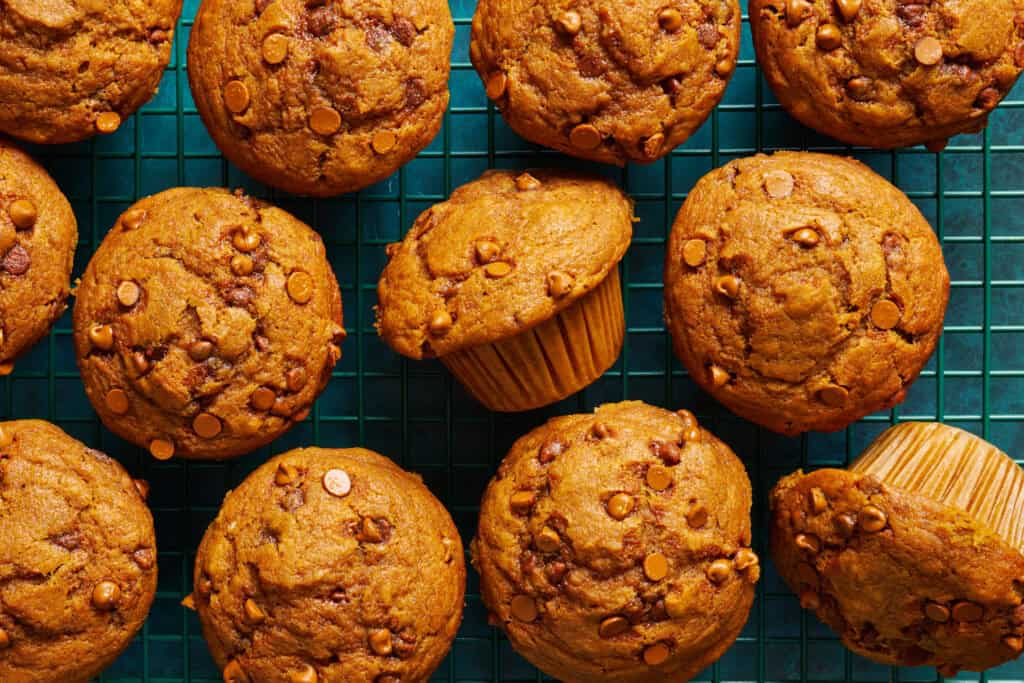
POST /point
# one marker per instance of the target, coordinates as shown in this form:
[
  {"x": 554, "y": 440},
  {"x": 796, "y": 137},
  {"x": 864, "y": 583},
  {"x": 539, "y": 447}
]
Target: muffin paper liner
[
  {"x": 548, "y": 362},
  {"x": 953, "y": 467}
]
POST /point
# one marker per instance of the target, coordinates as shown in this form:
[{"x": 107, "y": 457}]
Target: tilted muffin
[
  {"x": 77, "y": 556},
  {"x": 38, "y": 236},
  {"x": 321, "y": 98},
  {"x": 514, "y": 284},
  {"x": 615, "y": 546},
  {"x": 206, "y": 324},
  {"x": 890, "y": 74},
  {"x": 609, "y": 82},
  {"x": 803, "y": 291},
  {"x": 915, "y": 554},
  {"x": 330, "y": 566},
  {"x": 70, "y": 69}
]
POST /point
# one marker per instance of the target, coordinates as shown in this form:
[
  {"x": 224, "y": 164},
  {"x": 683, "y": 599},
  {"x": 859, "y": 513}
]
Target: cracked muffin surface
[
  {"x": 913, "y": 555},
  {"x": 615, "y": 546},
  {"x": 890, "y": 73},
  {"x": 38, "y": 236},
  {"x": 330, "y": 566},
  {"x": 71, "y": 69},
  {"x": 501, "y": 255},
  {"x": 321, "y": 98},
  {"x": 605, "y": 80},
  {"x": 206, "y": 323},
  {"x": 77, "y": 556},
  {"x": 803, "y": 291}
]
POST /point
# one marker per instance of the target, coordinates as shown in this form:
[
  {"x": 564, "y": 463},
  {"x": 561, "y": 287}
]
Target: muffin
[
  {"x": 889, "y": 74},
  {"x": 71, "y": 69},
  {"x": 514, "y": 284},
  {"x": 77, "y": 556},
  {"x": 330, "y": 566},
  {"x": 321, "y": 98},
  {"x": 606, "y": 81},
  {"x": 913, "y": 555},
  {"x": 803, "y": 291},
  {"x": 38, "y": 236},
  {"x": 616, "y": 546},
  {"x": 206, "y": 324}
]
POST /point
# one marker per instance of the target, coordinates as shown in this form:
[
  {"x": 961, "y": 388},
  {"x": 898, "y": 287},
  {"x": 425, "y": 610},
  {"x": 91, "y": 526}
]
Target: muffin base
[{"x": 548, "y": 362}]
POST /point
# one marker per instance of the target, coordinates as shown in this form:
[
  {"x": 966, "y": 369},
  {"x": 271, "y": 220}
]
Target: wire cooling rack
[{"x": 973, "y": 194}]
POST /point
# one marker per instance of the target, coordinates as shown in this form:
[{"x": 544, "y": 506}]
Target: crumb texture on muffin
[
  {"x": 890, "y": 74},
  {"x": 321, "y": 98},
  {"x": 331, "y": 564},
  {"x": 615, "y": 546},
  {"x": 607, "y": 81},
  {"x": 505, "y": 253},
  {"x": 70, "y": 69},
  {"x": 206, "y": 323},
  {"x": 803, "y": 291},
  {"x": 77, "y": 556},
  {"x": 38, "y": 236},
  {"x": 902, "y": 578}
]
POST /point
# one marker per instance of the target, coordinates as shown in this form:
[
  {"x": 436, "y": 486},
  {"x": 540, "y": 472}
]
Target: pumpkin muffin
[
  {"x": 514, "y": 284},
  {"x": 321, "y": 98},
  {"x": 914, "y": 555},
  {"x": 606, "y": 81},
  {"x": 803, "y": 291},
  {"x": 38, "y": 236},
  {"x": 70, "y": 69},
  {"x": 616, "y": 546},
  {"x": 206, "y": 324},
  {"x": 330, "y": 566},
  {"x": 890, "y": 74},
  {"x": 77, "y": 556}
]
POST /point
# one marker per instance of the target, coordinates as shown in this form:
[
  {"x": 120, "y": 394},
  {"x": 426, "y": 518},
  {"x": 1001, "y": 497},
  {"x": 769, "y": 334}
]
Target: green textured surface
[{"x": 413, "y": 412}]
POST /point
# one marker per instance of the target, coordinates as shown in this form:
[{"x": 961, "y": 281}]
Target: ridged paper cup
[{"x": 549, "y": 362}]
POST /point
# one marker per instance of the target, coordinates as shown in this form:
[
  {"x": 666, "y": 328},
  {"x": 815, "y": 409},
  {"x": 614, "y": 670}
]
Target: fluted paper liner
[
  {"x": 953, "y": 467},
  {"x": 551, "y": 361}
]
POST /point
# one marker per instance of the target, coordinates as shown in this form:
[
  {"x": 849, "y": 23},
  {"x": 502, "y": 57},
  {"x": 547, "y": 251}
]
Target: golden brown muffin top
[
  {"x": 38, "y": 236},
  {"x": 803, "y": 291},
  {"x": 70, "y": 69},
  {"x": 206, "y": 323},
  {"x": 321, "y": 98},
  {"x": 332, "y": 564},
  {"x": 77, "y": 556},
  {"x": 505, "y": 253},
  {"x": 615, "y": 546},
  {"x": 607, "y": 81},
  {"x": 909, "y": 573},
  {"x": 890, "y": 73}
]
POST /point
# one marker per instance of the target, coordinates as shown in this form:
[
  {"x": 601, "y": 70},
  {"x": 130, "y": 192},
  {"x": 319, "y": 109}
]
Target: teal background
[{"x": 973, "y": 194}]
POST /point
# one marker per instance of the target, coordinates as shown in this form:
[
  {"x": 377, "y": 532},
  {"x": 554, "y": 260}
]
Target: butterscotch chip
[
  {"x": 253, "y": 613},
  {"x": 161, "y": 449},
  {"x": 522, "y": 501},
  {"x": 441, "y": 323},
  {"x": 656, "y": 655},
  {"x": 384, "y": 141},
  {"x": 233, "y": 673},
  {"x": 818, "y": 501},
  {"x": 241, "y": 265},
  {"x": 132, "y": 219},
  {"x": 660, "y": 563},
  {"x": 659, "y": 477},
  {"x": 117, "y": 401},
  {"x": 928, "y": 51},
  {"x": 105, "y": 595},
  {"x": 200, "y": 350},
  {"x": 874, "y": 80},
  {"x": 524, "y": 608},
  {"x": 497, "y": 85},
  {"x": 728, "y": 285},
  {"x": 108, "y": 122},
  {"x": 570, "y": 22},
  {"x": 696, "y": 516},
  {"x": 585, "y": 137},
  {"x": 695, "y": 252},
  {"x": 779, "y": 184},
  {"x": 128, "y": 293},
  {"x": 806, "y": 237},
  {"x": 246, "y": 240},
  {"x": 809, "y": 543},
  {"x": 560, "y": 284},
  {"x": 498, "y": 269},
  {"x": 296, "y": 378},
  {"x": 745, "y": 559},
  {"x": 925, "y": 528},
  {"x": 189, "y": 602},
  {"x": 275, "y": 48},
  {"x": 102, "y": 337},
  {"x": 487, "y": 251},
  {"x": 23, "y": 213},
  {"x": 263, "y": 399},
  {"x": 300, "y": 287},
  {"x": 833, "y": 396},
  {"x": 670, "y": 19},
  {"x": 142, "y": 486},
  {"x": 719, "y": 571},
  {"x": 236, "y": 97},
  {"x": 719, "y": 376},
  {"x": 885, "y": 314},
  {"x": 526, "y": 182},
  {"x": 324, "y": 121},
  {"x": 337, "y": 483},
  {"x": 5, "y": 639},
  {"x": 207, "y": 426},
  {"x": 307, "y": 674}
]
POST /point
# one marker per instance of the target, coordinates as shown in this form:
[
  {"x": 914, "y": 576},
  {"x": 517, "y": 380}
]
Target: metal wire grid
[{"x": 973, "y": 194}]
